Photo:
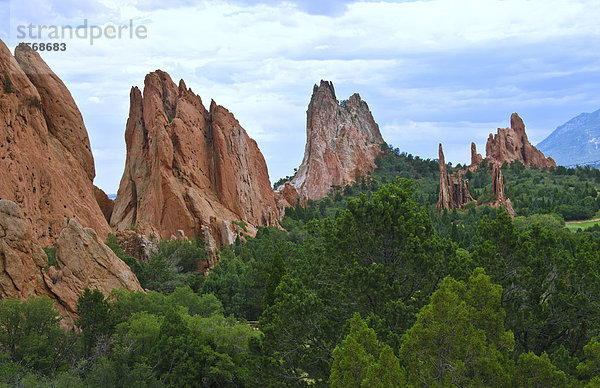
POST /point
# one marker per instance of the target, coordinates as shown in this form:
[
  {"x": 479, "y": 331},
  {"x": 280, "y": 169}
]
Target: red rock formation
[
  {"x": 511, "y": 144},
  {"x": 137, "y": 245},
  {"x": 343, "y": 141},
  {"x": 286, "y": 195},
  {"x": 22, "y": 259},
  {"x": 498, "y": 189},
  {"x": 82, "y": 261},
  {"x": 454, "y": 190},
  {"x": 106, "y": 204},
  {"x": 46, "y": 165},
  {"x": 475, "y": 157},
  {"x": 188, "y": 168}
]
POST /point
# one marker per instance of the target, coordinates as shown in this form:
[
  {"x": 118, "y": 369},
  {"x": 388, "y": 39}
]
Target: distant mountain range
[{"x": 576, "y": 142}]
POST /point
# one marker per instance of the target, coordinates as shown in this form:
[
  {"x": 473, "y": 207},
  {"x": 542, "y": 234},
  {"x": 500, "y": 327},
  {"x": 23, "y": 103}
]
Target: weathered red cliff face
[
  {"x": 511, "y": 144},
  {"x": 82, "y": 261},
  {"x": 343, "y": 141},
  {"x": 188, "y": 168},
  {"x": 46, "y": 164},
  {"x": 454, "y": 189}
]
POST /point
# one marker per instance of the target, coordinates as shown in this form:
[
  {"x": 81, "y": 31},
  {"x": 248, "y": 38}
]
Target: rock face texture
[
  {"x": 188, "y": 168},
  {"x": 22, "y": 259},
  {"x": 475, "y": 157},
  {"x": 498, "y": 189},
  {"x": 106, "y": 204},
  {"x": 343, "y": 141},
  {"x": 286, "y": 195},
  {"x": 82, "y": 260},
  {"x": 46, "y": 164},
  {"x": 454, "y": 189},
  {"x": 511, "y": 144},
  {"x": 137, "y": 245}
]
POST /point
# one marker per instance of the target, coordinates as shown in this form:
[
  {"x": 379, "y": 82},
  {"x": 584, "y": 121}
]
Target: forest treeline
[{"x": 370, "y": 287}]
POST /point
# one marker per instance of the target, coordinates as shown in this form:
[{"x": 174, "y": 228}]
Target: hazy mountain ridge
[{"x": 576, "y": 142}]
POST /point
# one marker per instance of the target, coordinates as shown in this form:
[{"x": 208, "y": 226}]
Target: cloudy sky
[{"x": 449, "y": 71}]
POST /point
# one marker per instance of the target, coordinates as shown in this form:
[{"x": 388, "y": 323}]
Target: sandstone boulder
[
  {"x": 342, "y": 143},
  {"x": 137, "y": 245},
  {"x": 84, "y": 261},
  {"x": 286, "y": 196}
]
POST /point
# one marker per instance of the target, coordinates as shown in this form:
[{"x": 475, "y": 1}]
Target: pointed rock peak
[
  {"x": 355, "y": 99},
  {"x": 325, "y": 88},
  {"x": 182, "y": 86},
  {"x": 213, "y": 106},
  {"x": 30, "y": 60},
  {"x": 516, "y": 123},
  {"x": 442, "y": 161},
  {"x": 342, "y": 143},
  {"x": 475, "y": 157},
  {"x": 454, "y": 190}
]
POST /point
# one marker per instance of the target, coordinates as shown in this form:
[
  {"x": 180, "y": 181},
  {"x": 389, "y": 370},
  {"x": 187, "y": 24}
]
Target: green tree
[
  {"x": 277, "y": 272},
  {"x": 30, "y": 333},
  {"x": 354, "y": 355},
  {"x": 96, "y": 318},
  {"x": 534, "y": 371},
  {"x": 386, "y": 372},
  {"x": 361, "y": 361},
  {"x": 459, "y": 338},
  {"x": 590, "y": 366}
]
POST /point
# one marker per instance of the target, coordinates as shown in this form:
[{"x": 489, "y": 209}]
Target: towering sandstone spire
[
  {"x": 342, "y": 143},
  {"x": 46, "y": 164},
  {"x": 454, "y": 190},
  {"x": 189, "y": 168}
]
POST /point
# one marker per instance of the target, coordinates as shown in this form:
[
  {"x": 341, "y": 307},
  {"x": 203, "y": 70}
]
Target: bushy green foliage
[
  {"x": 459, "y": 338},
  {"x": 95, "y": 318},
  {"x": 380, "y": 257},
  {"x": 8, "y": 85},
  {"x": 362, "y": 361},
  {"x": 174, "y": 264},
  {"x": 239, "y": 279},
  {"x": 30, "y": 335},
  {"x": 51, "y": 254}
]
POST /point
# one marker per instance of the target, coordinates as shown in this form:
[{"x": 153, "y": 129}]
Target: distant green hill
[{"x": 576, "y": 142}]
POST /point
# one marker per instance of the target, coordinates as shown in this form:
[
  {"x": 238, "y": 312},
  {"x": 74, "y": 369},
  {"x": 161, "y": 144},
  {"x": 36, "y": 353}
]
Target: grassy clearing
[{"x": 581, "y": 225}]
